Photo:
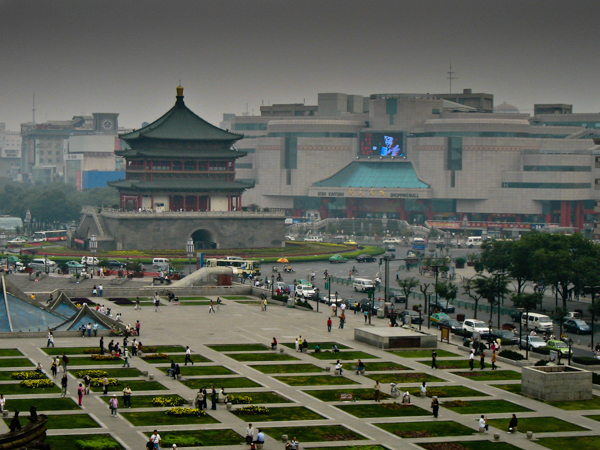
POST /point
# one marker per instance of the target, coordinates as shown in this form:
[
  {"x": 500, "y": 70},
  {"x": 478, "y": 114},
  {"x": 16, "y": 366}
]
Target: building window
[
  {"x": 291, "y": 153},
  {"x": 454, "y": 153}
]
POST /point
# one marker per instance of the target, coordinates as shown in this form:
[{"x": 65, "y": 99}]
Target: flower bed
[
  {"x": 34, "y": 384},
  {"x": 120, "y": 301},
  {"x": 156, "y": 356},
  {"x": 166, "y": 401},
  {"x": 92, "y": 351},
  {"x": 27, "y": 375},
  {"x": 105, "y": 358},
  {"x": 94, "y": 373},
  {"x": 97, "y": 382},
  {"x": 252, "y": 409},
  {"x": 185, "y": 412},
  {"x": 239, "y": 399}
]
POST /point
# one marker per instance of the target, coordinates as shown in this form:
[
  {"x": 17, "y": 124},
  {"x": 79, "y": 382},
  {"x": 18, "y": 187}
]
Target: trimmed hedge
[
  {"x": 586, "y": 360},
  {"x": 304, "y": 304},
  {"x": 595, "y": 378},
  {"x": 510, "y": 354}
]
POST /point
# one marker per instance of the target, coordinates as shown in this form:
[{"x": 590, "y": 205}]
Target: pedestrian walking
[
  {"x": 494, "y": 360},
  {"x": 157, "y": 304},
  {"x": 265, "y": 304},
  {"x": 199, "y": 400},
  {"x": 249, "y": 434},
  {"x": 156, "y": 439},
  {"x": 63, "y": 385},
  {"x": 138, "y": 326},
  {"x": 482, "y": 359},
  {"x": 205, "y": 394},
  {"x": 126, "y": 356},
  {"x": 65, "y": 362},
  {"x": 377, "y": 390},
  {"x": 2, "y": 403},
  {"x": 50, "y": 339},
  {"x": 297, "y": 345},
  {"x": 95, "y": 328},
  {"x": 334, "y": 309},
  {"x": 80, "y": 392},
  {"x": 434, "y": 359},
  {"x": 102, "y": 345},
  {"x": 137, "y": 303},
  {"x": 329, "y": 324},
  {"x": 342, "y": 319},
  {"x": 188, "y": 355},
  {"x": 471, "y": 359},
  {"x": 127, "y": 397},
  {"x": 213, "y": 398},
  {"x": 105, "y": 385},
  {"x": 114, "y": 405},
  {"x": 87, "y": 380},
  {"x": 211, "y": 308},
  {"x": 435, "y": 406},
  {"x": 366, "y": 314},
  {"x": 54, "y": 368}
]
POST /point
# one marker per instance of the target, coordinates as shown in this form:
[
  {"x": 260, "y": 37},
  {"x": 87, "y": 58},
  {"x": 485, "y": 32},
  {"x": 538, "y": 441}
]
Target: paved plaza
[{"x": 353, "y": 423}]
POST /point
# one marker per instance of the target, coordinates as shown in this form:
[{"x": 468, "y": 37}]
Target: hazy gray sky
[{"x": 128, "y": 56}]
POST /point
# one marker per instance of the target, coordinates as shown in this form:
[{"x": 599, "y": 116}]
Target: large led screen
[{"x": 382, "y": 144}]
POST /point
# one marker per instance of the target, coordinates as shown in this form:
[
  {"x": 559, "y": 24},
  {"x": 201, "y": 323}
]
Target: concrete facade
[
  {"x": 396, "y": 337},
  {"x": 557, "y": 383}
]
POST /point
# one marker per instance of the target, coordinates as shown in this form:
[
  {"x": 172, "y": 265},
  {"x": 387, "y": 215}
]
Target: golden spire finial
[{"x": 180, "y": 90}]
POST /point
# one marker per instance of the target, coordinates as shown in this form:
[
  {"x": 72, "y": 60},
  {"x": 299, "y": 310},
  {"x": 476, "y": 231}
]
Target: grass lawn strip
[
  {"x": 423, "y": 353},
  {"x": 320, "y": 433},
  {"x": 538, "y": 425},
  {"x": 200, "y": 438},
  {"x": 135, "y": 385},
  {"x": 323, "y": 345},
  {"x": 239, "y": 347},
  {"x": 16, "y": 362},
  {"x": 280, "y": 414},
  {"x": 469, "y": 445},
  {"x": 117, "y": 373},
  {"x": 237, "y": 382},
  {"x": 448, "y": 391},
  {"x": 194, "y": 298},
  {"x": 578, "y": 442},
  {"x": 245, "y": 357},
  {"x": 143, "y": 401},
  {"x": 179, "y": 359},
  {"x": 88, "y": 361},
  {"x": 17, "y": 389},
  {"x": 380, "y": 366},
  {"x": 10, "y": 352},
  {"x": 410, "y": 377},
  {"x": 154, "y": 418},
  {"x": 333, "y": 395},
  {"x": 202, "y": 370},
  {"x": 445, "y": 364},
  {"x": 347, "y": 355},
  {"x": 315, "y": 380},
  {"x": 514, "y": 388},
  {"x": 483, "y": 407},
  {"x": 69, "y": 441},
  {"x": 67, "y": 421},
  {"x": 287, "y": 368},
  {"x": 237, "y": 297},
  {"x": 350, "y": 447},
  {"x": 383, "y": 410},
  {"x": 426, "y": 429},
  {"x": 43, "y": 404},
  {"x": 575, "y": 405},
  {"x": 261, "y": 398},
  {"x": 490, "y": 375}
]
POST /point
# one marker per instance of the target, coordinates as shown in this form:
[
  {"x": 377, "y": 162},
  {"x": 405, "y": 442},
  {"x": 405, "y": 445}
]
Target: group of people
[
  {"x": 97, "y": 291},
  {"x": 482, "y": 356},
  {"x": 201, "y": 400}
]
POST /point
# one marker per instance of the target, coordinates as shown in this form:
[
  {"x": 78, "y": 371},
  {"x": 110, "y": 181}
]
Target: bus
[
  {"x": 51, "y": 236},
  {"x": 419, "y": 244},
  {"x": 247, "y": 266}
]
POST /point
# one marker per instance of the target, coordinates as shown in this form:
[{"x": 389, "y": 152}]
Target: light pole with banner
[
  {"x": 3, "y": 239},
  {"x": 189, "y": 246},
  {"x": 93, "y": 248}
]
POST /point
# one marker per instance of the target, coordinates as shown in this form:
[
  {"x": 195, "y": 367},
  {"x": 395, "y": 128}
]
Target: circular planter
[{"x": 229, "y": 406}]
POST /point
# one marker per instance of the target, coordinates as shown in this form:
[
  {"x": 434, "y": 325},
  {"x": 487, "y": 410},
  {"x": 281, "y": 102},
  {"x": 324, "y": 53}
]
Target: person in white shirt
[
  {"x": 156, "y": 439},
  {"x": 338, "y": 366},
  {"x": 249, "y": 434},
  {"x": 483, "y": 424},
  {"x": 2, "y": 402},
  {"x": 188, "y": 355}
]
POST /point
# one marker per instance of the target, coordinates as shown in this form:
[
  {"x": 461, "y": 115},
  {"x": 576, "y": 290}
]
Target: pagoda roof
[
  {"x": 159, "y": 153},
  {"x": 181, "y": 185},
  {"x": 180, "y": 123}
]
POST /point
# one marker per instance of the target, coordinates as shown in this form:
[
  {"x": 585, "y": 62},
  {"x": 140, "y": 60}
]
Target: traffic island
[{"x": 557, "y": 383}]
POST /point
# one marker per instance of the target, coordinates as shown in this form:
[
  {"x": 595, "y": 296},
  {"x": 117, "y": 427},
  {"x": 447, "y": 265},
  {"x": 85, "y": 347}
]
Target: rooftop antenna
[
  {"x": 451, "y": 76},
  {"x": 33, "y": 109}
]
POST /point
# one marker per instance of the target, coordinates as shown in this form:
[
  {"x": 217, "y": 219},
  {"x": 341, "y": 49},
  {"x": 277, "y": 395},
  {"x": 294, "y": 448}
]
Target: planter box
[{"x": 557, "y": 383}]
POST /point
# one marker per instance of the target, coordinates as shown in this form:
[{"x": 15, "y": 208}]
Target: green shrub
[
  {"x": 541, "y": 363},
  {"x": 281, "y": 298},
  {"x": 586, "y": 360},
  {"x": 305, "y": 304},
  {"x": 27, "y": 375},
  {"x": 156, "y": 356},
  {"x": 97, "y": 444},
  {"x": 595, "y": 378},
  {"x": 541, "y": 350},
  {"x": 252, "y": 409},
  {"x": 168, "y": 401},
  {"x": 511, "y": 354},
  {"x": 91, "y": 373},
  {"x": 105, "y": 358},
  {"x": 34, "y": 384},
  {"x": 182, "y": 441}
]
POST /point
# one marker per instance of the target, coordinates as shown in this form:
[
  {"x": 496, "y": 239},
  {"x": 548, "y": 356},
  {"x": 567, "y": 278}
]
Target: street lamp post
[
  {"x": 127, "y": 268},
  {"x": 189, "y": 247},
  {"x": 447, "y": 243},
  {"x": 93, "y": 248},
  {"x": 28, "y": 223},
  {"x": 3, "y": 239},
  {"x": 592, "y": 289}
]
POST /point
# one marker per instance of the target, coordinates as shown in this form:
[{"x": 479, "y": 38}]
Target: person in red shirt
[{"x": 329, "y": 324}]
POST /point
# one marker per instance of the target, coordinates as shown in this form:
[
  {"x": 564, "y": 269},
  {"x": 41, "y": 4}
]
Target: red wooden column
[{"x": 565, "y": 214}]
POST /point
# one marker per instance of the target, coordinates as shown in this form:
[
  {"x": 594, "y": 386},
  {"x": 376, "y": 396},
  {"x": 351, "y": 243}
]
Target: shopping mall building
[{"x": 453, "y": 159}]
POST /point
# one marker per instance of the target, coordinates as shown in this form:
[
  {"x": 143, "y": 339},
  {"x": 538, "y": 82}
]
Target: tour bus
[
  {"x": 418, "y": 244},
  {"x": 247, "y": 266},
  {"x": 51, "y": 236}
]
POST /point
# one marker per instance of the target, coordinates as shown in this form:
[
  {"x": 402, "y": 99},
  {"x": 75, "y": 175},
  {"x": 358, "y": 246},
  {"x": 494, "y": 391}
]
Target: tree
[
  {"x": 447, "y": 290},
  {"x": 491, "y": 288},
  {"x": 470, "y": 288},
  {"x": 527, "y": 302},
  {"x": 407, "y": 286},
  {"x": 424, "y": 288}
]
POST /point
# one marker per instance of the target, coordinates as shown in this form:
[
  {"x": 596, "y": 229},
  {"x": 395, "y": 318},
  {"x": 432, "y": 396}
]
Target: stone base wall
[
  {"x": 557, "y": 383},
  {"x": 413, "y": 340}
]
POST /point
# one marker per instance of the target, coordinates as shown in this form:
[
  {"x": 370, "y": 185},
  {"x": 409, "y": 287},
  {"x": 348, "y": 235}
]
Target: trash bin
[
  {"x": 380, "y": 313},
  {"x": 291, "y": 303}
]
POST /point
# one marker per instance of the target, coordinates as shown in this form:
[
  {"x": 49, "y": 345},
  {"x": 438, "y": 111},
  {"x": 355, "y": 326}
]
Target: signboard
[
  {"x": 445, "y": 333},
  {"x": 383, "y": 145},
  {"x": 553, "y": 358},
  {"x": 346, "y": 397}
]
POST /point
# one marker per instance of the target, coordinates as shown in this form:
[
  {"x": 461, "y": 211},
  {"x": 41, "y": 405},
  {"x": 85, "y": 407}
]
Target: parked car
[
  {"x": 117, "y": 264},
  {"x": 337, "y": 258},
  {"x": 506, "y": 337},
  {"x": 414, "y": 316},
  {"x": 395, "y": 298},
  {"x": 290, "y": 238},
  {"x": 281, "y": 286},
  {"x": 392, "y": 240},
  {"x": 516, "y": 314},
  {"x": 436, "y": 317},
  {"x": 455, "y": 326},
  {"x": 350, "y": 242},
  {"x": 18, "y": 240},
  {"x": 442, "y": 306},
  {"x": 74, "y": 265},
  {"x": 573, "y": 315},
  {"x": 558, "y": 346},
  {"x": 390, "y": 248},
  {"x": 365, "y": 258},
  {"x": 305, "y": 291},
  {"x": 577, "y": 326},
  {"x": 476, "y": 326},
  {"x": 532, "y": 342}
]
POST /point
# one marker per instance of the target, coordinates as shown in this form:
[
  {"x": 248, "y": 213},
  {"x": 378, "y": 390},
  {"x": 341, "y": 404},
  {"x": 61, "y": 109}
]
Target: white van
[
  {"x": 90, "y": 260},
  {"x": 160, "y": 262},
  {"x": 474, "y": 241},
  {"x": 42, "y": 264},
  {"x": 313, "y": 239},
  {"x": 537, "y": 322},
  {"x": 363, "y": 285}
]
